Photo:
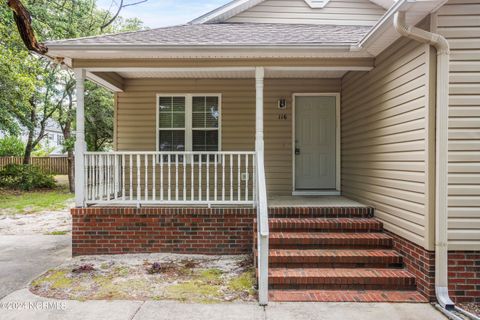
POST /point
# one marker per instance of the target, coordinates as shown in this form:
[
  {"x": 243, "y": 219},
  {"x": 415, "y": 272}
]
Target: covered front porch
[{"x": 163, "y": 156}]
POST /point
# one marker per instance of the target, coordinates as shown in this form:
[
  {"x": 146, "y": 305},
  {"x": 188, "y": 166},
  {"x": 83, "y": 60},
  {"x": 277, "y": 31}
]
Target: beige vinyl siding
[
  {"x": 135, "y": 117},
  {"x": 459, "y": 22},
  {"x": 387, "y": 159},
  {"x": 338, "y": 12}
]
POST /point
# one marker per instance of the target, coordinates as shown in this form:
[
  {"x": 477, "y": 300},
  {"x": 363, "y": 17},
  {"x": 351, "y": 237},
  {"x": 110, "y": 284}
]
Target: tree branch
[
  {"x": 120, "y": 7},
  {"x": 24, "y": 24}
]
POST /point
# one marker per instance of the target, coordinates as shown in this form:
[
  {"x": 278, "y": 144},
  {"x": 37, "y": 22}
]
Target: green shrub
[
  {"x": 25, "y": 177},
  {"x": 11, "y": 147}
]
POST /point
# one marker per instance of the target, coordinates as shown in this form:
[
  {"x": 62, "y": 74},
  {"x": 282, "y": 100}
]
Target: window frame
[{"x": 188, "y": 119}]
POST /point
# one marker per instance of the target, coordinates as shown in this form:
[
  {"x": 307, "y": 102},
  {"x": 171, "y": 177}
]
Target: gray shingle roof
[{"x": 230, "y": 34}]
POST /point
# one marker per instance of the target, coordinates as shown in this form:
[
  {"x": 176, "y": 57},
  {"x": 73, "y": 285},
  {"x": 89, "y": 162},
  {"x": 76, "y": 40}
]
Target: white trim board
[{"x": 337, "y": 146}]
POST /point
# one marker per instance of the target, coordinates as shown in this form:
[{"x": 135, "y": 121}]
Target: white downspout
[{"x": 441, "y": 171}]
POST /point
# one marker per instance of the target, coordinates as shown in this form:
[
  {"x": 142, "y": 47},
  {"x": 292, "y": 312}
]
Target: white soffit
[{"x": 219, "y": 73}]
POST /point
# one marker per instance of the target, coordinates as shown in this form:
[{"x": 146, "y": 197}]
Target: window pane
[
  {"x": 198, "y": 104},
  {"x": 171, "y": 140},
  {"x": 165, "y": 120},
  {"x": 211, "y": 120},
  {"x": 212, "y": 103},
  {"x": 198, "y": 120},
  {"x": 178, "y": 104},
  {"x": 165, "y": 104},
  {"x": 205, "y": 140},
  {"x": 178, "y": 120}
]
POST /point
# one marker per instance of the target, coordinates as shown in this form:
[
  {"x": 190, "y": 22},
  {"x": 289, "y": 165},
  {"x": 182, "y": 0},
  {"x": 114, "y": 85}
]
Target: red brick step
[
  {"x": 325, "y": 224},
  {"x": 321, "y": 212},
  {"x": 346, "y": 296},
  {"x": 306, "y": 240},
  {"x": 340, "y": 278},
  {"x": 334, "y": 258}
]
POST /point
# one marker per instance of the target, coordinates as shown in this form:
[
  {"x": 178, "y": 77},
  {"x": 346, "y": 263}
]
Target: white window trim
[{"x": 188, "y": 118}]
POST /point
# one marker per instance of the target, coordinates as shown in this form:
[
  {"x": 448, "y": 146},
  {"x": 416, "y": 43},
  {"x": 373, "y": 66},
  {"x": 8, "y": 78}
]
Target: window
[{"x": 188, "y": 122}]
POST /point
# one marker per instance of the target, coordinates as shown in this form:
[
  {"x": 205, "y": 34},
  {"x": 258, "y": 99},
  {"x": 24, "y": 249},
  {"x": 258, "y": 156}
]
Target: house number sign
[{"x": 282, "y": 116}]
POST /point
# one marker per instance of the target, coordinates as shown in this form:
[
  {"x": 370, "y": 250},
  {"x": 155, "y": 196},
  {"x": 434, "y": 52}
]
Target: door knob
[{"x": 297, "y": 151}]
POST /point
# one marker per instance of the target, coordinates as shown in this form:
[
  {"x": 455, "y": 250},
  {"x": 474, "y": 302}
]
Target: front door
[{"x": 315, "y": 143}]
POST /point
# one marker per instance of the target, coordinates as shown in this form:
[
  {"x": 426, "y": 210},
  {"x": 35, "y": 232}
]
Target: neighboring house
[
  {"x": 53, "y": 140},
  {"x": 286, "y": 125}
]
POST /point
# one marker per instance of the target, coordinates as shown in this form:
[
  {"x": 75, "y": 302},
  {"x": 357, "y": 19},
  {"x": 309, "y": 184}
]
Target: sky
[{"x": 161, "y": 13}]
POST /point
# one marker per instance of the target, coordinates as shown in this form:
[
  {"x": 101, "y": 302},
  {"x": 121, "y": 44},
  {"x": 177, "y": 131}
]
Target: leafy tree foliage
[
  {"x": 99, "y": 117},
  {"x": 11, "y": 146},
  {"x": 33, "y": 89}
]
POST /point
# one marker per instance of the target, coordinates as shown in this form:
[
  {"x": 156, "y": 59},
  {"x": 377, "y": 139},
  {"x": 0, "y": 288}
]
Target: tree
[
  {"x": 49, "y": 90},
  {"x": 98, "y": 117}
]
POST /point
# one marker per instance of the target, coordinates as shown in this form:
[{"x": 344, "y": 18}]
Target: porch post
[
  {"x": 259, "y": 76},
  {"x": 80, "y": 146}
]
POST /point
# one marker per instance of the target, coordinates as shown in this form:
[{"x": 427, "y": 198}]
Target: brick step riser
[
  {"x": 318, "y": 230},
  {"x": 320, "y": 212},
  {"x": 303, "y": 286},
  {"x": 326, "y": 245},
  {"x": 335, "y": 265}
]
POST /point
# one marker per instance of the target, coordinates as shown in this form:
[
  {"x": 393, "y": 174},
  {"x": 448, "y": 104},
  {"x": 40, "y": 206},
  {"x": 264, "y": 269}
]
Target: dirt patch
[
  {"x": 48, "y": 223},
  {"x": 185, "y": 278}
]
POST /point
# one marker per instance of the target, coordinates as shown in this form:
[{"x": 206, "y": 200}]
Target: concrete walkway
[
  {"x": 48, "y": 309},
  {"x": 24, "y": 257}
]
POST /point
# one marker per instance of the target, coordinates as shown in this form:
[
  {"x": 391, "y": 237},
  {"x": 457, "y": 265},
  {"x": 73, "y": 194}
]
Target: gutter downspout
[{"x": 441, "y": 170}]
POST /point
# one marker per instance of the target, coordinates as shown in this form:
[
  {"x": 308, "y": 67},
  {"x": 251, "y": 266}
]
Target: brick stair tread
[
  {"x": 325, "y": 223},
  {"x": 317, "y": 235},
  {"x": 335, "y": 275},
  {"x": 334, "y": 255},
  {"x": 346, "y": 296}
]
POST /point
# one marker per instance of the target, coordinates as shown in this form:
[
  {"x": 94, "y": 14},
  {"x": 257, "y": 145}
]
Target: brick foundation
[
  {"x": 463, "y": 270},
  {"x": 145, "y": 230},
  {"x": 464, "y": 275}
]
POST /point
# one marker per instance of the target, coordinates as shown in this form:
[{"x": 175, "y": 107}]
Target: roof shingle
[{"x": 235, "y": 34}]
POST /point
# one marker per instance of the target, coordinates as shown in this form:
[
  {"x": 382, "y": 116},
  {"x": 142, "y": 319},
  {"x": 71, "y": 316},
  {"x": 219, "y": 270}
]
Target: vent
[{"x": 317, "y": 3}]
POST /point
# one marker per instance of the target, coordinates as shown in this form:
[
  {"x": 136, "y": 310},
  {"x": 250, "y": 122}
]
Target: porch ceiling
[
  {"x": 113, "y": 78},
  {"x": 232, "y": 74}
]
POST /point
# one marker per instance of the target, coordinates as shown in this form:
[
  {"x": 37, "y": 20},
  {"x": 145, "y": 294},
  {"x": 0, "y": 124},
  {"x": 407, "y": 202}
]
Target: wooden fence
[{"x": 52, "y": 165}]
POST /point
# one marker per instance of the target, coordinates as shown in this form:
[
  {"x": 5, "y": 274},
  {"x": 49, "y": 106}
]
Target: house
[
  {"x": 52, "y": 142},
  {"x": 337, "y": 138}
]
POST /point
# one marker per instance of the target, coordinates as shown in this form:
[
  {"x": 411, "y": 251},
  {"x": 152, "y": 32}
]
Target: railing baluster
[
  {"x": 154, "y": 181},
  {"x": 231, "y": 177},
  {"x": 223, "y": 177},
  {"x": 161, "y": 177},
  {"x": 200, "y": 177},
  {"x": 176, "y": 176},
  {"x": 239, "y": 177},
  {"x": 192, "y": 178},
  {"x": 247, "y": 177},
  {"x": 215, "y": 177},
  {"x": 184, "y": 177},
  {"x": 146, "y": 177},
  {"x": 131, "y": 177},
  {"x": 139, "y": 191},
  {"x": 208, "y": 178},
  {"x": 116, "y": 176},
  {"x": 169, "y": 179},
  {"x": 123, "y": 177},
  {"x": 102, "y": 179}
]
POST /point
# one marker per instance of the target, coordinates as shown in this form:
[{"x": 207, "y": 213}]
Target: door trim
[{"x": 337, "y": 145}]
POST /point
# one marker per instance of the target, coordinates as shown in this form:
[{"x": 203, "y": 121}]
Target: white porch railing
[{"x": 150, "y": 178}]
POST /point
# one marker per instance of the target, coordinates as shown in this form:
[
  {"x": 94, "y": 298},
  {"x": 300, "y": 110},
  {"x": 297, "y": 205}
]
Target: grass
[
  {"x": 57, "y": 233},
  {"x": 19, "y": 202}
]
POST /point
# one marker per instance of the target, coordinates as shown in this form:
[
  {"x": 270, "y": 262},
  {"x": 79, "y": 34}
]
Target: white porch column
[
  {"x": 80, "y": 145},
  {"x": 259, "y": 76}
]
